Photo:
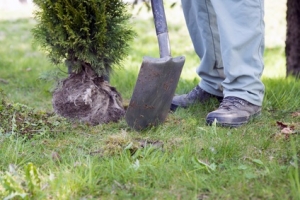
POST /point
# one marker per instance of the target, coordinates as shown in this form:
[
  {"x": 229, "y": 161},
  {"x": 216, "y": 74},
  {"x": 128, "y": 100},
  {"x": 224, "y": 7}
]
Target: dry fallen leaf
[
  {"x": 55, "y": 156},
  {"x": 281, "y": 125},
  {"x": 295, "y": 114},
  {"x": 285, "y": 130}
]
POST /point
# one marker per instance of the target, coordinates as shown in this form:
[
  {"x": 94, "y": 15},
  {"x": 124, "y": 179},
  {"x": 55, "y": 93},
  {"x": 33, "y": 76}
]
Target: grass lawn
[{"x": 45, "y": 157}]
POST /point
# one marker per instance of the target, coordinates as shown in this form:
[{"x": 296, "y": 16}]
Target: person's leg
[
  {"x": 202, "y": 25},
  {"x": 241, "y": 29}
]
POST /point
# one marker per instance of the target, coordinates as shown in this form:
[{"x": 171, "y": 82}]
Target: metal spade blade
[{"x": 157, "y": 79}]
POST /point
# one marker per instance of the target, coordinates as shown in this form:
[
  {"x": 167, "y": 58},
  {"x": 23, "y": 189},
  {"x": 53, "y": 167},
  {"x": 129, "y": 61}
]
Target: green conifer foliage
[{"x": 83, "y": 32}]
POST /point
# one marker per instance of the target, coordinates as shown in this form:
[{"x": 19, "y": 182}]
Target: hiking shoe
[
  {"x": 233, "y": 112},
  {"x": 196, "y": 95}
]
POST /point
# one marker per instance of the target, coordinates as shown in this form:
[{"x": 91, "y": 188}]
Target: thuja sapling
[{"x": 90, "y": 37}]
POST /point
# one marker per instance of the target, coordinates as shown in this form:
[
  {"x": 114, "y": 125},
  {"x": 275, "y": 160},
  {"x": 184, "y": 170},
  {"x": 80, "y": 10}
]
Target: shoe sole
[
  {"x": 174, "y": 107},
  {"x": 209, "y": 121}
]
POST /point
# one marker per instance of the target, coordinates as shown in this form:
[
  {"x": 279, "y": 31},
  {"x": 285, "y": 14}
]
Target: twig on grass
[{"x": 3, "y": 81}]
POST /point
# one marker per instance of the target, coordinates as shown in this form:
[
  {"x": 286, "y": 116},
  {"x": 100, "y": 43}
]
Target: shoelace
[{"x": 228, "y": 102}]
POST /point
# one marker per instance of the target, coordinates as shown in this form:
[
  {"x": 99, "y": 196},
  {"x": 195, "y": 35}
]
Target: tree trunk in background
[{"x": 292, "y": 48}]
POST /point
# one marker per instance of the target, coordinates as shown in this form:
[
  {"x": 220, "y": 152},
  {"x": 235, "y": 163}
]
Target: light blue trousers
[{"x": 228, "y": 36}]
